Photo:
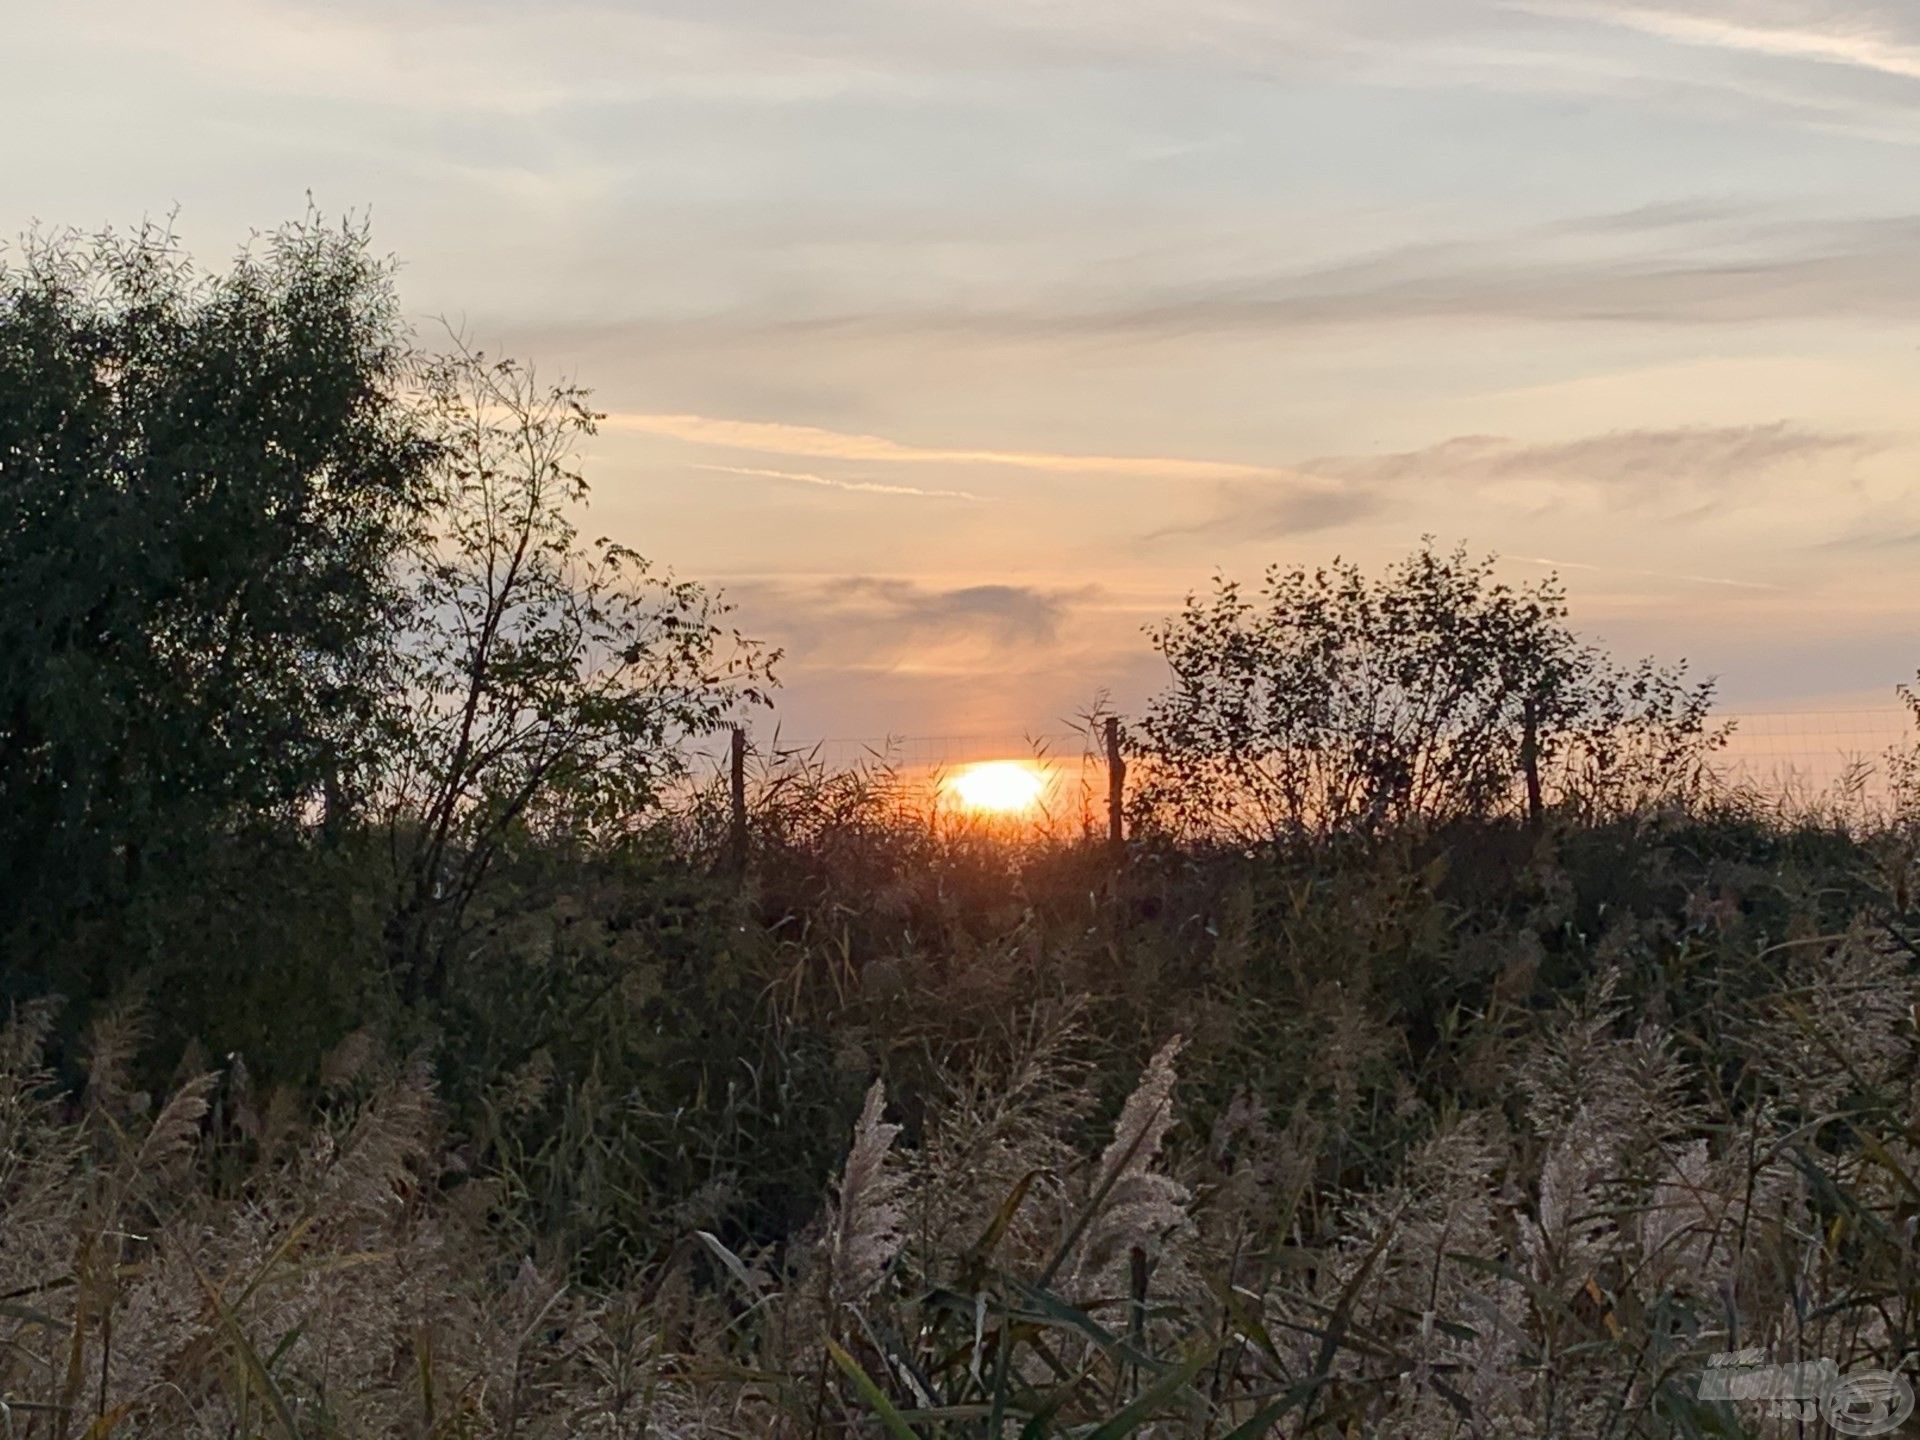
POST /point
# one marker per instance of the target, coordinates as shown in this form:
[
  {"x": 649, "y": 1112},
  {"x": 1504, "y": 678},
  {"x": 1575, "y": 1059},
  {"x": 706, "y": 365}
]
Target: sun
[{"x": 999, "y": 787}]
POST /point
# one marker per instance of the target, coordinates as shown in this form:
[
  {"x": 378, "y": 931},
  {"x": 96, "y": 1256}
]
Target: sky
[{"x": 958, "y": 340}]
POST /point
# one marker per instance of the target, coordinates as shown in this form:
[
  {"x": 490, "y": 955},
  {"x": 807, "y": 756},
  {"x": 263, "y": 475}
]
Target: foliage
[
  {"x": 204, "y": 480},
  {"x": 1332, "y": 703},
  {"x": 548, "y": 685},
  {"x": 1575, "y": 1200}
]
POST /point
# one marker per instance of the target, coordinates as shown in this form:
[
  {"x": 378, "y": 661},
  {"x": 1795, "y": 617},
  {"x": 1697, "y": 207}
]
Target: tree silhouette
[
  {"x": 204, "y": 480},
  {"x": 1331, "y": 702}
]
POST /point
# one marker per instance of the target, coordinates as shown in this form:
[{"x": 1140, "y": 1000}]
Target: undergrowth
[{"x": 1496, "y": 1133}]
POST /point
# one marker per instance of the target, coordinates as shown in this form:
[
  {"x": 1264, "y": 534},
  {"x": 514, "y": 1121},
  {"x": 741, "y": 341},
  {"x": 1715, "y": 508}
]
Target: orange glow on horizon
[{"x": 998, "y": 787}]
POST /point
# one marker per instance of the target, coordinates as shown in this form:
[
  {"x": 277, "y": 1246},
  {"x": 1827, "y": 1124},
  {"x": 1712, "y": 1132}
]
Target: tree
[
  {"x": 1333, "y": 703},
  {"x": 550, "y": 682},
  {"x": 204, "y": 481}
]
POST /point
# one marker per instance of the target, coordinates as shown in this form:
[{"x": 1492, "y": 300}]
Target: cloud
[
  {"x": 477, "y": 60},
  {"x": 1851, "y": 43},
  {"x": 1663, "y": 268},
  {"x": 1009, "y": 614},
  {"x": 1620, "y": 461},
  {"x": 1888, "y": 535},
  {"x": 1870, "y": 269},
  {"x": 807, "y": 440},
  {"x": 1660, "y": 217},
  {"x": 878, "y": 654},
  {"x": 867, "y": 622},
  {"x": 1624, "y": 468},
  {"x": 864, "y": 487},
  {"x": 1834, "y": 67},
  {"x": 1261, "y": 512}
]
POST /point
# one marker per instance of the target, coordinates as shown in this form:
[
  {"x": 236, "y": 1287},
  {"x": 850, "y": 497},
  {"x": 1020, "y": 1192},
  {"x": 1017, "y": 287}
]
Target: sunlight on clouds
[
  {"x": 1137, "y": 288},
  {"x": 810, "y": 440},
  {"x": 1849, "y": 44},
  {"x": 427, "y": 57},
  {"x": 861, "y": 487}
]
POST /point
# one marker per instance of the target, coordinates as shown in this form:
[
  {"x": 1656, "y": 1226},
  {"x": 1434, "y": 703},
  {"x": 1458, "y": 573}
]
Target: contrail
[
  {"x": 1650, "y": 574},
  {"x": 771, "y": 438},
  {"x": 868, "y": 487}
]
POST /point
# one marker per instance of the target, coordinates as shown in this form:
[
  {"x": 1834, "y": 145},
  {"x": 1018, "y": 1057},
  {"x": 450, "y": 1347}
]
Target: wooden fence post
[
  {"x": 737, "y": 832},
  {"x": 1116, "y": 785}
]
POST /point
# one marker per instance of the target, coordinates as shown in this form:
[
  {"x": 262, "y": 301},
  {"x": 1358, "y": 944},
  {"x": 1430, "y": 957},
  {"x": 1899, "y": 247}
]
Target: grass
[{"x": 921, "y": 1132}]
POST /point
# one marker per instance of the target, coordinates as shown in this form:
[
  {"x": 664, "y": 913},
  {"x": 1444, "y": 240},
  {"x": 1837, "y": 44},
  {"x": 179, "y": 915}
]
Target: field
[{"x": 921, "y": 1132}]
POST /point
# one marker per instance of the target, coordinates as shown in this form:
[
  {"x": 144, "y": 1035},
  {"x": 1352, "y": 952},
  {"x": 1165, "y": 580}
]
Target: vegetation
[
  {"x": 205, "y": 482},
  {"x": 1338, "y": 704},
  {"x": 446, "y": 1081}
]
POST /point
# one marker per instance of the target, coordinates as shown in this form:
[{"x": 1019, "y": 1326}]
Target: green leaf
[
  {"x": 1157, "y": 1395},
  {"x": 1263, "y": 1421},
  {"x": 890, "y": 1416}
]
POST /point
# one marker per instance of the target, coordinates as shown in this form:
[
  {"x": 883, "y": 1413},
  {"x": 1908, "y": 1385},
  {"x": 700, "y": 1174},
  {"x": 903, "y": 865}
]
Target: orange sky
[{"x": 959, "y": 338}]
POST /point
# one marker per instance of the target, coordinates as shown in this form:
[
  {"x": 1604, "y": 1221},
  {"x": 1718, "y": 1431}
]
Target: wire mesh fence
[
  {"x": 1791, "y": 754},
  {"x": 945, "y": 752},
  {"x": 1811, "y": 753}
]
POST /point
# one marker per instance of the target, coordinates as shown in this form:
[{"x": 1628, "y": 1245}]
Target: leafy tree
[
  {"x": 549, "y": 682},
  {"x": 1331, "y": 702},
  {"x": 204, "y": 480}
]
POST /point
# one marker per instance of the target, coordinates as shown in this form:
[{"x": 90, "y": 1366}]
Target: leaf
[
  {"x": 895, "y": 1422},
  {"x": 1036, "y": 1426},
  {"x": 996, "y": 1229},
  {"x": 1058, "y": 1314},
  {"x": 1262, "y": 1422},
  {"x": 1878, "y": 1152},
  {"x": 293, "y": 1236},
  {"x": 1337, "y": 1322},
  {"x": 1169, "y": 1385},
  {"x": 250, "y": 1363},
  {"x": 735, "y": 1265}
]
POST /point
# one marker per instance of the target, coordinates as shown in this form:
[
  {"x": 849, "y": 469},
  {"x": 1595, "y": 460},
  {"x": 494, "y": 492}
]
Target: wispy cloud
[
  {"x": 467, "y": 60},
  {"x": 1645, "y": 574},
  {"x": 1631, "y": 461},
  {"x": 881, "y": 621},
  {"x": 1889, "y": 534},
  {"x": 863, "y": 487},
  {"x": 1259, "y": 512},
  {"x": 1848, "y": 44},
  {"x": 1658, "y": 269},
  {"x": 808, "y": 440},
  {"x": 1868, "y": 270},
  {"x": 1721, "y": 465}
]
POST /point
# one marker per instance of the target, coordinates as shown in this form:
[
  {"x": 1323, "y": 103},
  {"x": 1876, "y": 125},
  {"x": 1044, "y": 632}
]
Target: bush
[{"x": 1334, "y": 704}]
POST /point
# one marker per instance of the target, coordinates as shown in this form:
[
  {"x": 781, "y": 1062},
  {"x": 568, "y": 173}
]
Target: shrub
[{"x": 1331, "y": 703}]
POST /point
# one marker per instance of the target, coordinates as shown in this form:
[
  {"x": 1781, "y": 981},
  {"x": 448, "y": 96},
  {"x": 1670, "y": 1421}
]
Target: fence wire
[
  {"x": 1815, "y": 752},
  {"x": 1795, "y": 754}
]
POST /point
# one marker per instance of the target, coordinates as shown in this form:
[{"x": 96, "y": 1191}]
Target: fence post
[
  {"x": 737, "y": 831},
  {"x": 1116, "y": 785},
  {"x": 1530, "y": 761}
]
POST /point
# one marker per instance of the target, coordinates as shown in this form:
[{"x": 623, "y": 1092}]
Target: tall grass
[{"x": 922, "y": 1133}]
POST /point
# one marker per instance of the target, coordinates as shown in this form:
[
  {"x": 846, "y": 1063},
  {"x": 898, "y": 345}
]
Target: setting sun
[{"x": 999, "y": 787}]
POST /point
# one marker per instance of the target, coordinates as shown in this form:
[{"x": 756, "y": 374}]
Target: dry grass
[{"x": 1555, "y": 1251}]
